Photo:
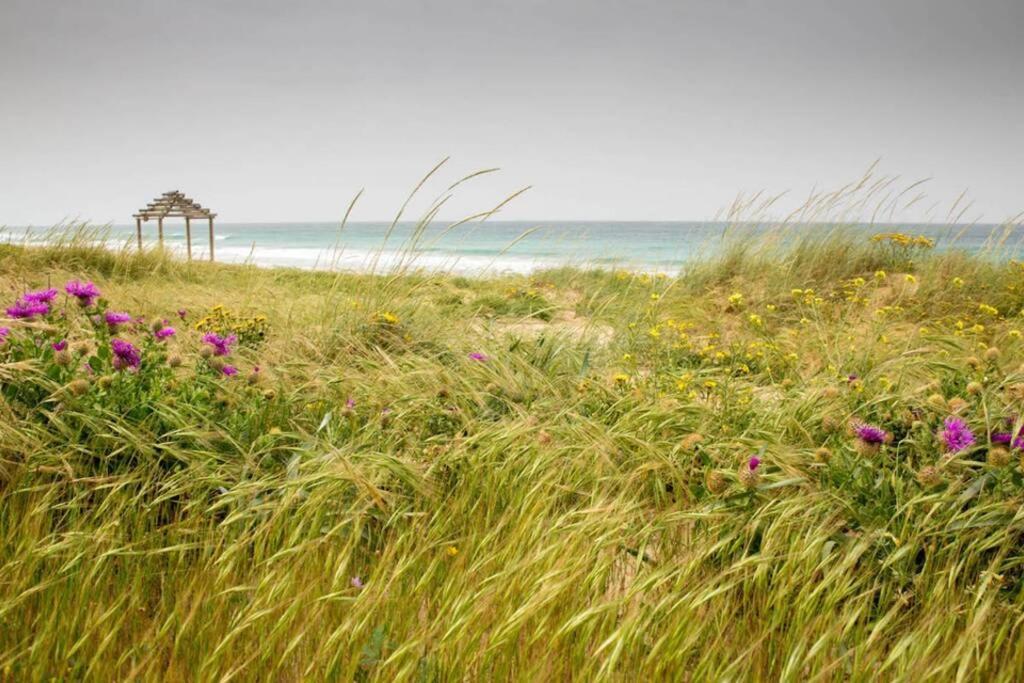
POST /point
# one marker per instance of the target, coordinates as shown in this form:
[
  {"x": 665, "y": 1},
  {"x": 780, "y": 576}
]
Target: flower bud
[
  {"x": 174, "y": 360},
  {"x": 929, "y": 476},
  {"x": 78, "y": 387},
  {"x": 998, "y": 456},
  {"x": 991, "y": 354},
  {"x": 715, "y": 482},
  {"x": 822, "y": 454},
  {"x": 974, "y": 388}
]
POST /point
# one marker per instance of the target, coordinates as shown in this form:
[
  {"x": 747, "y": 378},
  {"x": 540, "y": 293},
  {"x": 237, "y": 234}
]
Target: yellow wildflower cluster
[
  {"x": 385, "y": 318},
  {"x": 250, "y": 330},
  {"x": 903, "y": 240}
]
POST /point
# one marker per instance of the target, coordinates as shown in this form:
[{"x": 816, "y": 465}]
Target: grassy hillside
[{"x": 794, "y": 463}]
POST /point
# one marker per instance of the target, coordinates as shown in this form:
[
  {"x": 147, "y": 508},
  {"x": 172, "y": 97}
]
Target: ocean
[{"x": 499, "y": 246}]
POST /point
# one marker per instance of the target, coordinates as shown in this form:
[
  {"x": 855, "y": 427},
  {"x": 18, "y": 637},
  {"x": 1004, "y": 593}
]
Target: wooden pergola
[{"x": 174, "y": 205}]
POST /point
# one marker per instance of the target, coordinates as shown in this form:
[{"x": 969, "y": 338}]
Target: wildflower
[
  {"x": 749, "y": 475},
  {"x": 476, "y": 355},
  {"x": 182, "y": 313},
  {"x": 1007, "y": 439},
  {"x": 620, "y": 378},
  {"x": 974, "y": 388},
  {"x": 60, "y": 346},
  {"x": 929, "y": 476},
  {"x": 385, "y": 318},
  {"x": 174, "y": 360},
  {"x": 822, "y": 454},
  {"x": 43, "y": 296},
  {"x": 869, "y": 438},
  {"x": 735, "y": 299},
  {"x": 988, "y": 310},
  {"x": 958, "y": 282},
  {"x": 229, "y": 370},
  {"x": 357, "y": 583},
  {"x": 956, "y": 436},
  {"x": 991, "y": 354},
  {"x": 755, "y": 320},
  {"x": 27, "y": 309},
  {"x": 1014, "y": 334},
  {"x": 255, "y": 375},
  {"x": 221, "y": 346},
  {"x": 880, "y": 275},
  {"x": 164, "y": 333},
  {"x": 452, "y": 551},
  {"x": 85, "y": 292},
  {"x": 4, "y": 331},
  {"x": 126, "y": 356},
  {"x": 910, "y": 279},
  {"x": 115, "y": 318}
]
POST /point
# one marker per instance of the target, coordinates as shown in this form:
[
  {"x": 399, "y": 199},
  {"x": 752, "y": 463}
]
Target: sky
[{"x": 608, "y": 110}]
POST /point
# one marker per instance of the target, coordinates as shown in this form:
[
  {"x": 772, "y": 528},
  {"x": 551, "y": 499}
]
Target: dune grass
[{"x": 516, "y": 478}]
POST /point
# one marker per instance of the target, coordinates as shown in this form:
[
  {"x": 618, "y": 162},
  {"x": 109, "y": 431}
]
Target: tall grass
[{"x": 570, "y": 508}]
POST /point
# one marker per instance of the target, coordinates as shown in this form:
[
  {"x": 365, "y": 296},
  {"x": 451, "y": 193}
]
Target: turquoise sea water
[{"x": 501, "y": 246}]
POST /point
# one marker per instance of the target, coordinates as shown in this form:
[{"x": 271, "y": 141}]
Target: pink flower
[
  {"x": 229, "y": 370},
  {"x": 164, "y": 333},
  {"x": 754, "y": 463}
]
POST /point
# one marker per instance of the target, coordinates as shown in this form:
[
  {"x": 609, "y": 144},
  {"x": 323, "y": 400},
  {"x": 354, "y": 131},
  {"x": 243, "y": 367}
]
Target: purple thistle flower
[
  {"x": 1007, "y": 439},
  {"x": 870, "y": 434},
  {"x": 60, "y": 346},
  {"x": 27, "y": 309},
  {"x": 956, "y": 436},
  {"x": 229, "y": 370},
  {"x": 754, "y": 463},
  {"x": 221, "y": 345},
  {"x": 115, "y": 318},
  {"x": 350, "y": 404},
  {"x": 43, "y": 296},
  {"x": 852, "y": 377},
  {"x": 182, "y": 313},
  {"x": 85, "y": 292},
  {"x": 478, "y": 356},
  {"x": 126, "y": 356},
  {"x": 357, "y": 583},
  {"x": 164, "y": 333}
]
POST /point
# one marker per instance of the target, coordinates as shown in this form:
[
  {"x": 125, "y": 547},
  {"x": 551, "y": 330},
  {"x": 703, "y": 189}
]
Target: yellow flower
[
  {"x": 755, "y": 320},
  {"x": 627, "y": 357},
  {"x": 910, "y": 278},
  {"x": 654, "y": 296},
  {"x": 770, "y": 308},
  {"x": 1015, "y": 334},
  {"x": 958, "y": 282},
  {"x": 452, "y": 551},
  {"x": 620, "y": 378},
  {"x": 654, "y": 332},
  {"x": 710, "y": 384},
  {"x": 797, "y": 292},
  {"x": 735, "y": 298},
  {"x": 880, "y": 275},
  {"x": 988, "y": 310}
]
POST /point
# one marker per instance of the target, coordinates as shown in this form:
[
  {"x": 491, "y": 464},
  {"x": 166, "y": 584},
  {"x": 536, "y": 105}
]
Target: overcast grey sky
[{"x": 282, "y": 110}]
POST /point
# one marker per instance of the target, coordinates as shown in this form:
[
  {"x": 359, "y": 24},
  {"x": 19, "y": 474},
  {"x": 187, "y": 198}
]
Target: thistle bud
[
  {"x": 206, "y": 352},
  {"x": 998, "y": 456},
  {"x": 105, "y": 381},
  {"x": 715, "y": 482},
  {"x": 957, "y": 404},
  {"x": 991, "y": 354},
  {"x": 929, "y": 476},
  {"x": 216, "y": 362},
  {"x": 78, "y": 387},
  {"x": 830, "y": 423},
  {"x": 63, "y": 357},
  {"x": 938, "y": 401},
  {"x": 830, "y": 392},
  {"x": 174, "y": 360},
  {"x": 822, "y": 454},
  {"x": 691, "y": 441},
  {"x": 973, "y": 362},
  {"x": 543, "y": 438},
  {"x": 974, "y": 388},
  {"x": 749, "y": 476}
]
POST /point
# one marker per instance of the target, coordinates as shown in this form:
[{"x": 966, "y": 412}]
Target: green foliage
[{"x": 571, "y": 498}]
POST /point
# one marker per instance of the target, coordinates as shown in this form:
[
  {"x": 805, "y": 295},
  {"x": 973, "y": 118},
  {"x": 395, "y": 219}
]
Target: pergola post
[
  {"x": 211, "y": 237},
  {"x": 138, "y": 232},
  {"x": 160, "y": 230},
  {"x": 188, "y": 236}
]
